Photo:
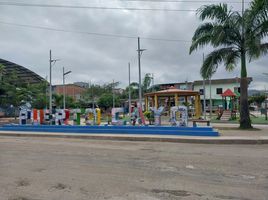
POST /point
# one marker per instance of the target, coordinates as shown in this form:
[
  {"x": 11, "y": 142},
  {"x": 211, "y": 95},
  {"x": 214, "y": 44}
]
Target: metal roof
[
  {"x": 172, "y": 91},
  {"x": 23, "y": 73}
]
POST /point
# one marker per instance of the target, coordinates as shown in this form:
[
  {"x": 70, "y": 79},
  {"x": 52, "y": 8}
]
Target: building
[
  {"x": 181, "y": 86},
  {"x": 218, "y": 87},
  {"x": 24, "y": 74},
  {"x": 71, "y": 90},
  {"x": 82, "y": 84}
]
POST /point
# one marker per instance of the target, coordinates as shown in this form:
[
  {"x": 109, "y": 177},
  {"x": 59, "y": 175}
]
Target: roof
[
  {"x": 228, "y": 93},
  {"x": 222, "y": 81},
  {"x": 69, "y": 84},
  {"x": 23, "y": 73},
  {"x": 171, "y": 91},
  {"x": 175, "y": 83}
]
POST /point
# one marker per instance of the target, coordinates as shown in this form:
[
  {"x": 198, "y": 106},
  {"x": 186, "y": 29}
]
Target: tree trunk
[{"x": 245, "y": 122}]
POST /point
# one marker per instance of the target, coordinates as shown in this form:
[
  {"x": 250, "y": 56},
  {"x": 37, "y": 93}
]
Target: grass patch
[
  {"x": 254, "y": 120},
  {"x": 259, "y": 120}
]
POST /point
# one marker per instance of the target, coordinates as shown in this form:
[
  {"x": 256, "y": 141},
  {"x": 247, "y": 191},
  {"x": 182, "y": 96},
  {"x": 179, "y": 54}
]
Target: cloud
[{"x": 103, "y": 59}]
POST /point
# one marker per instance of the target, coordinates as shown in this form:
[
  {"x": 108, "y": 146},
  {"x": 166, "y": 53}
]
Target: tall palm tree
[
  {"x": 258, "y": 18},
  {"x": 235, "y": 39}
]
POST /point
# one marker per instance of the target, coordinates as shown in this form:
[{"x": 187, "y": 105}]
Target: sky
[{"x": 100, "y": 59}]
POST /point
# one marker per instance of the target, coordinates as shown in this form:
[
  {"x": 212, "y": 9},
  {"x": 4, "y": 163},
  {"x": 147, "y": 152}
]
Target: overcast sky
[{"x": 101, "y": 59}]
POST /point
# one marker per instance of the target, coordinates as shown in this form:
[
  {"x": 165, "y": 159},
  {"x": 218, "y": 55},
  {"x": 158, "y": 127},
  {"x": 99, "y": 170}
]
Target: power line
[
  {"x": 91, "y": 33},
  {"x": 183, "y": 1},
  {"x": 93, "y": 7}
]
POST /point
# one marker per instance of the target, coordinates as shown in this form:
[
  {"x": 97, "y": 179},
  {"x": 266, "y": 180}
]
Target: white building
[{"x": 218, "y": 86}]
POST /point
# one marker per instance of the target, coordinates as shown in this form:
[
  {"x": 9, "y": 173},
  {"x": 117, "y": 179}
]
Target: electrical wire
[
  {"x": 91, "y": 33},
  {"x": 93, "y": 7},
  {"x": 183, "y": 1}
]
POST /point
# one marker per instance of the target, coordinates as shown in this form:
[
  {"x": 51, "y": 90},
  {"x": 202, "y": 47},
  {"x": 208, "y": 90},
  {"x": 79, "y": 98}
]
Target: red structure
[{"x": 232, "y": 96}]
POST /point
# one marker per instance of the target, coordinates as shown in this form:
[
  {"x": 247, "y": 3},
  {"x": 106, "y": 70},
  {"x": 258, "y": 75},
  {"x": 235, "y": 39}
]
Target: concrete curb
[{"x": 145, "y": 138}]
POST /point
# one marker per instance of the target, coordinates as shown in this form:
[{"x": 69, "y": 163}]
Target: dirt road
[{"x": 73, "y": 169}]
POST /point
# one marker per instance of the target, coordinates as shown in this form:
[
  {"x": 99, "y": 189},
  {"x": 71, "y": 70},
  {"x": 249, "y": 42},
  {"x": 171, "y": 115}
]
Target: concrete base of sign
[{"x": 149, "y": 130}]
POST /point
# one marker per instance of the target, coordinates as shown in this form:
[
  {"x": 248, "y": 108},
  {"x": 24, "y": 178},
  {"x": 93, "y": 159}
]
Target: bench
[{"x": 200, "y": 121}]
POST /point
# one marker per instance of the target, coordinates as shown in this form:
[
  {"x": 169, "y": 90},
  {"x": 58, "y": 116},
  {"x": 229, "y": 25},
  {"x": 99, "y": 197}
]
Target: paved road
[{"x": 73, "y": 169}]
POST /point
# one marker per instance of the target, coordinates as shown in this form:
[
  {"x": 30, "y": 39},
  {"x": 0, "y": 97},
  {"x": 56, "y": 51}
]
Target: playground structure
[
  {"x": 229, "y": 108},
  {"x": 173, "y": 97}
]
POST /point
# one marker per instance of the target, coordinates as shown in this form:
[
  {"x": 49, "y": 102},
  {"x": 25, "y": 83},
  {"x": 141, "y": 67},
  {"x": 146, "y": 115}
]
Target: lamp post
[
  {"x": 64, "y": 90},
  {"x": 204, "y": 92},
  {"x": 129, "y": 91},
  {"x": 50, "y": 80}
]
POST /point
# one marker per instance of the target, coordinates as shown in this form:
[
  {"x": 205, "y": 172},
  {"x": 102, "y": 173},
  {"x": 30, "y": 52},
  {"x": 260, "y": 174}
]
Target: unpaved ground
[
  {"x": 232, "y": 130},
  {"x": 72, "y": 169}
]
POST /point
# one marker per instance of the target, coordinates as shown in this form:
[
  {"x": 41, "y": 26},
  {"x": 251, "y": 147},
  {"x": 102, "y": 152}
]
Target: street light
[
  {"x": 50, "y": 82},
  {"x": 64, "y": 91}
]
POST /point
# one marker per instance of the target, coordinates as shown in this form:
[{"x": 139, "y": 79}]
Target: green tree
[
  {"x": 234, "y": 37},
  {"x": 58, "y": 100},
  {"x": 146, "y": 82},
  {"x": 106, "y": 101},
  {"x": 39, "y": 96},
  {"x": 145, "y": 87}
]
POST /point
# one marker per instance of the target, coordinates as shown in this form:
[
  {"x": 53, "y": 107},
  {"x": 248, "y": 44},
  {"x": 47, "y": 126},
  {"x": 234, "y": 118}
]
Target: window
[
  {"x": 201, "y": 91},
  {"x": 219, "y": 90},
  {"x": 237, "y": 89}
]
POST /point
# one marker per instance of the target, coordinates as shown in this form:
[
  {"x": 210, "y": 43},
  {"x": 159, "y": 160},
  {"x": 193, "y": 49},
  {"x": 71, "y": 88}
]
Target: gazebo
[
  {"x": 171, "y": 97},
  {"x": 232, "y": 96}
]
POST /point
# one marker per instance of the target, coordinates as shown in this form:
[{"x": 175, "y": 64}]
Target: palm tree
[
  {"x": 258, "y": 18},
  {"x": 235, "y": 38}
]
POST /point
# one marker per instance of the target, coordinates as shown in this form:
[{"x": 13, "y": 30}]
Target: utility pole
[
  {"x": 139, "y": 62},
  {"x": 50, "y": 82},
  {"x": 64, "y": 91},
  {"x": 153, "y": 81},
  {"x": 113, "y": 95},
  {"x": 129, "y": 92},
  {"x": 265, "y": 94},
  {"x": 93, "y": 97},
  {"x": 46, "y": 92},
  {"x": 204, "y": 93},
  {"x": 265, "y": 104}
]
